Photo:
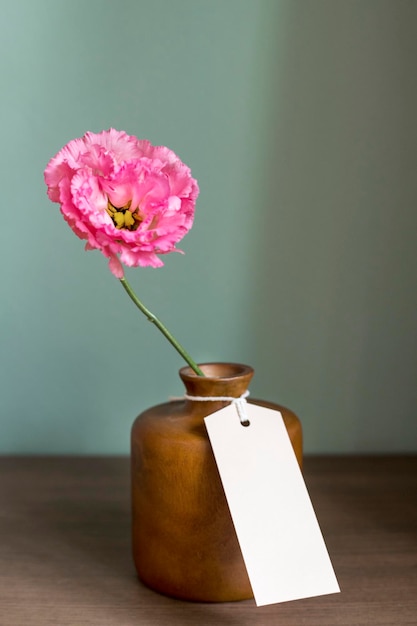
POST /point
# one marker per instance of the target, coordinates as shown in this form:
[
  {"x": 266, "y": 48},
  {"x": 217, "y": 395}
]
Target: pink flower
[{"x": 127, "y": 198}]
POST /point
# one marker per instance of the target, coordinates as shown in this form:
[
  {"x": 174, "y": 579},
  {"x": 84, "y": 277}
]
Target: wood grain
[{"x": 65, "y": 548}]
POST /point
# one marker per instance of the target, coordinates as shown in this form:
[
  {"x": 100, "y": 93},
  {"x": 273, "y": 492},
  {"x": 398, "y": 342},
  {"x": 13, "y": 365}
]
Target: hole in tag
[{"x": 245, "y": 423}]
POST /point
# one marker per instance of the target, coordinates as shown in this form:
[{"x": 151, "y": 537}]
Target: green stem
[{"x": 164, "y": 330}]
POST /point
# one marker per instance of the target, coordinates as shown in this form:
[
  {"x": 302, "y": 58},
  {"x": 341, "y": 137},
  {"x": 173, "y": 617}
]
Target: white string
[
  {"x": 240, "y": 403},
  {"x": 215, "y": 398}
]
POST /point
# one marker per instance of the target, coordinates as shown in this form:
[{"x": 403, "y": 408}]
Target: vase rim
[{"x": 217, "y": 370}]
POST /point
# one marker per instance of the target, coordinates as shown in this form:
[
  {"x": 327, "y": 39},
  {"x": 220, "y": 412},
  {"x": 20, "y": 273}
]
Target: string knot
[{"x": 240, "y": 403}]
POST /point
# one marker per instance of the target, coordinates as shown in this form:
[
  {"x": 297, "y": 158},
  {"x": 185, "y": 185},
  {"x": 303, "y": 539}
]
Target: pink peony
[{"x": 127, "y": 198}]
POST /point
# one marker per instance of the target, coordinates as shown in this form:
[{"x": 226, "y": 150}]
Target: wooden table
[{"x": 65, "y": 548}]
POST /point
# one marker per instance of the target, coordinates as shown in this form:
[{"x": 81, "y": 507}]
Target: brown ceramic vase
[{"x": 184, "y": 542}]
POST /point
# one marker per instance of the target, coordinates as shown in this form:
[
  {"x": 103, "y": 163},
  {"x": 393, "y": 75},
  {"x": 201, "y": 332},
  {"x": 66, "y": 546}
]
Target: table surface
[{"x": 65, "y": 548}]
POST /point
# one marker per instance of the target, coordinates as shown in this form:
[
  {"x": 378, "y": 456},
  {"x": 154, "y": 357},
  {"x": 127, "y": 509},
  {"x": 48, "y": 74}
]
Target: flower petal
[{"x": 116, "y": 267}]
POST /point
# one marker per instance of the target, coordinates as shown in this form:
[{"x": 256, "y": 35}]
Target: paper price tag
[{"x": 278, "y": 532}]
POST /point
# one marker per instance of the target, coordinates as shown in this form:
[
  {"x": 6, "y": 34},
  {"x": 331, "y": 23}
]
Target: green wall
[{"x": 298, "y": 120}]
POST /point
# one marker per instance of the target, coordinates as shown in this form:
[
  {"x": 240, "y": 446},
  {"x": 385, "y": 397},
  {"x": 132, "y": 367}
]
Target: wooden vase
[{"x": 184, "y": 542}]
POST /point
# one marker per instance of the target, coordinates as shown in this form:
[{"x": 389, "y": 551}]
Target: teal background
[{"x": 299, "y": 121}]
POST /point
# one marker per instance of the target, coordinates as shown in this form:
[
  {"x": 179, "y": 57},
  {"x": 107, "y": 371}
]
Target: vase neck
[{"x": 220, "y": 379}]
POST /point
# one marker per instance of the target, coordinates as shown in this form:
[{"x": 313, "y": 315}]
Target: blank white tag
[{"x": 281, "y": 542}]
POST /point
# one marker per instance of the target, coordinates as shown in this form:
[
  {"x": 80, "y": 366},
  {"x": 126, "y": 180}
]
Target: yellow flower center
[{"x": 123, "y": 217}]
